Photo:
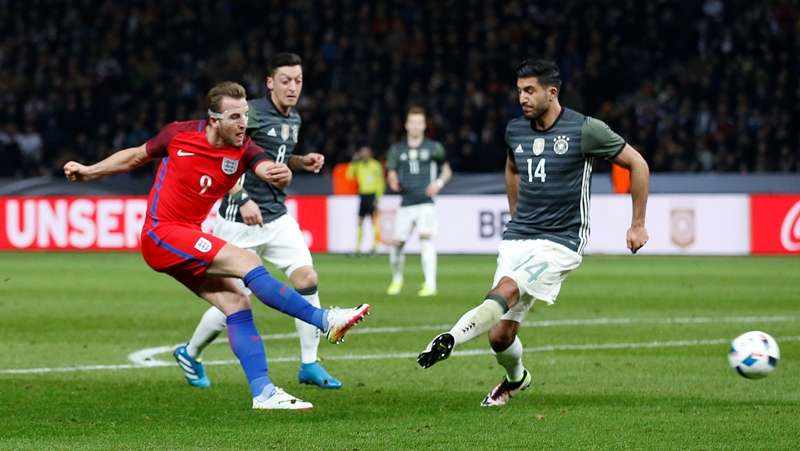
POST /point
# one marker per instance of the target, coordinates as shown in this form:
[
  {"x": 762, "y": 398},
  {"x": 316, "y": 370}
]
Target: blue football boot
[
  {"x": 192, "y": 368},
  {"x": 314, "y": 373}
]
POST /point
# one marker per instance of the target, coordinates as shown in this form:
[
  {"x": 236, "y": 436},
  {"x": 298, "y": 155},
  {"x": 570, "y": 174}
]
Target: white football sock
[
  {"x": 511, "y": 360},
  {"x": 428, "y": 256},
  {"x": 211, "y": 324},
  {"x": 478, "y": 321},
  {"x": 397, "y": 260},
  {"x": 309, "y": 334}
]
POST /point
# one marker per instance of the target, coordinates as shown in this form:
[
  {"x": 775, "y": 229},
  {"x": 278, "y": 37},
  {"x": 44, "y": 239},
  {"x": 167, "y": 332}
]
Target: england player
[
  {"x": 548, "y": 175},
  {"x": 253, "y": 216},
  {"x": 200, "y": 161},
  {"x": 413, "y": 170}
]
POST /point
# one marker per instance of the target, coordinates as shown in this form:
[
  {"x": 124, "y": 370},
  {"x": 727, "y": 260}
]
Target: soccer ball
[{"x": 754, "y": 354}]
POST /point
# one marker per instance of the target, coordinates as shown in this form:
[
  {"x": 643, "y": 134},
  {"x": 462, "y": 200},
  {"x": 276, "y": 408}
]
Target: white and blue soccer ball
[{"x": 754, "y": 354}]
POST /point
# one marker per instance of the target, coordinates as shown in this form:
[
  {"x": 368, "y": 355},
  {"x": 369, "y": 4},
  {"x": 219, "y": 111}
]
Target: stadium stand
[{"x": 707, "y": 86}]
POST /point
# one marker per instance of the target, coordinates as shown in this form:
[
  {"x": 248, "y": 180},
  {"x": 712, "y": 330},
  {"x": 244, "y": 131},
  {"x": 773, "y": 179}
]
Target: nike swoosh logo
[{"x": 183, "y": 153}]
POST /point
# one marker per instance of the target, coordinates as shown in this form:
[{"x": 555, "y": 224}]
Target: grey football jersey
[
  {"x": 277, "y": 134},
  {"x": 555, "y": 169},
  {"x": 416, "y": 168}
]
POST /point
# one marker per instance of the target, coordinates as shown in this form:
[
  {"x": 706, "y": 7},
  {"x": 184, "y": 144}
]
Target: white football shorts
[
  {"x": 421, "y": 216},
  {"x": 538, "y": 267},
  {"x": 279, "y": 242}
]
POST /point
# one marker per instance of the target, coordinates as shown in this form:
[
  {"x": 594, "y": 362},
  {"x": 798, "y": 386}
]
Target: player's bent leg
[
  {"x": 233, "y": 261},
  {"x": 247, "y": 345},
  {"x": 397, "y": 260},
  {"x": 482, "y": 318},
  {"x": 473, "y": 323},
  {"x": 245, "y": 342},
  {"x": 428, "y": 257}
]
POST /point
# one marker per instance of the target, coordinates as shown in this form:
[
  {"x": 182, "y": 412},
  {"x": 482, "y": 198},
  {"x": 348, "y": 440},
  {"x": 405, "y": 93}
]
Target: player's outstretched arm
[
  {"x": 276, "y": 174},
  {"x": 512, "y": 185},
  {"x": 640, "y": 175},
  {"x": 121, "y": 161}
]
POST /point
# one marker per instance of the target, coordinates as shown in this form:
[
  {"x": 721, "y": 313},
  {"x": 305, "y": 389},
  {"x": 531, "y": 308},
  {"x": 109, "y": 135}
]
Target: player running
[
  {"x": 253, "y": 216},
  {"x": 548, "y": 175},
  {"x": 413, "y": 166},
  {"x": 200, "y": 161}
]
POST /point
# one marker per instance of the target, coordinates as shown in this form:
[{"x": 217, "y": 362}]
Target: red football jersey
[{"x": 193, "y": 174}]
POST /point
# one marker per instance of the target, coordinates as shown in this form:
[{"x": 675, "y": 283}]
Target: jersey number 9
[{"x": 205, "y": 183}]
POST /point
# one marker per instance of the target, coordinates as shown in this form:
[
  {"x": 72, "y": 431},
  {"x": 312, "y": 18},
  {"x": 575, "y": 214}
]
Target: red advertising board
[
  {"x": 311, "y": 213},
  {"x": 99, "y": 223},
  {"x": 775, "y": 224}
]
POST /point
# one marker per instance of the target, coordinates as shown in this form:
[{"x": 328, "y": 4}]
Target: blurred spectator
[{"x": 696, "y": 86}]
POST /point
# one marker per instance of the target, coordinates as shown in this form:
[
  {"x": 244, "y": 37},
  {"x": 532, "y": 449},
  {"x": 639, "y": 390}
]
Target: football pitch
[{"x": 632, "y": 356}]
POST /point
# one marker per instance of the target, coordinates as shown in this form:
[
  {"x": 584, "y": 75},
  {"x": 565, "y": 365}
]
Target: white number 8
[
  {"x": 281, "y": 154},
  {"x": 205, "y": 184}
]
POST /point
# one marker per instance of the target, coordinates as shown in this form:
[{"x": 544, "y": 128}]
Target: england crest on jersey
[{"x": 229, "y": 166}]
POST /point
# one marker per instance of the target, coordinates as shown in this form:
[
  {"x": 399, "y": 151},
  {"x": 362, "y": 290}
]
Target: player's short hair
[
  {"x": 224, "y": 89},
  {"x": 415, "y": 110},
  {"x": 283, "y": 59},
  {"x": 545, "y": 71}
]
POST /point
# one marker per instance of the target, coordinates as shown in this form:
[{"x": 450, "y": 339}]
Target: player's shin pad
[{"x": 479, "y": 320}]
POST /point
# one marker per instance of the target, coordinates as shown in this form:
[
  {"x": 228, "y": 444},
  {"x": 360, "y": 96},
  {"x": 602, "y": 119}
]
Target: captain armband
[{"x": 240, "y": 197}]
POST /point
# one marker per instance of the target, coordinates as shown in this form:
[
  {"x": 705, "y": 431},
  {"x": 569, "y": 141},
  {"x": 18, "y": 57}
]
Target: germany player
[
  {"x": 200, "y": 161},
  {"x": 413, "y": 170},
  {"x": 254, "y": 216},
  {"x": 548, "y": 176}
]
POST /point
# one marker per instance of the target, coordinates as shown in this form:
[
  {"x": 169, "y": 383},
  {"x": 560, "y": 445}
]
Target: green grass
[{"x": 68, "y": 310}]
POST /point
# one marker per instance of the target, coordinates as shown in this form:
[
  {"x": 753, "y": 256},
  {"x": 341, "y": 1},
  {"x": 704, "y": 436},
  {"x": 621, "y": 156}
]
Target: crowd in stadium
[{"x": 695, "y": 86}]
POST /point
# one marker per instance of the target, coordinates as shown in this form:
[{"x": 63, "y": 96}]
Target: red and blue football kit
[{"x": 192, "y": 176}]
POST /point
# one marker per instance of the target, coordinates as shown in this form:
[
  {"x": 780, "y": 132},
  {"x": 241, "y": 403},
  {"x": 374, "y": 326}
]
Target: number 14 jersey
[{"x": 555, "y": 171}]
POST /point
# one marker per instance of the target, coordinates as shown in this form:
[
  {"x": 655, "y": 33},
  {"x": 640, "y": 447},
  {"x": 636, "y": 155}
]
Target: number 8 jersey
[
  {"x": 555, "y": 172},
  {"x": 277, "y": 135},
  {"x": 193, "y": 174}
]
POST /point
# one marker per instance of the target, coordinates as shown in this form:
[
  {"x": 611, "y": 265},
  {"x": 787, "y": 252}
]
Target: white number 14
[{"x": 539, "y": 172}]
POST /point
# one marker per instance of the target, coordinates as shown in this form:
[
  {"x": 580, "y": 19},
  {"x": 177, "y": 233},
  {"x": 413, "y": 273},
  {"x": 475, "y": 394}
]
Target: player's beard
[
  {"x": 230, "y": 139},
  {"x": 536, "y": 112}
]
